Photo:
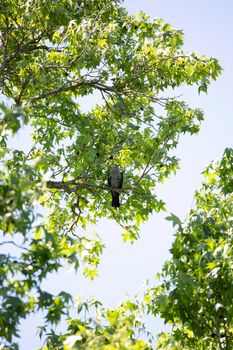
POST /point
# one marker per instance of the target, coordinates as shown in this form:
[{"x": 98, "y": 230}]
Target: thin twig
[{"x": 15, "y": 244}]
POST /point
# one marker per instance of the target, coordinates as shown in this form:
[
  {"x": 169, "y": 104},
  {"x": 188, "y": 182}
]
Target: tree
[
  {"x": 195, "y": 293},
  {"x": 54, "y": 54}
]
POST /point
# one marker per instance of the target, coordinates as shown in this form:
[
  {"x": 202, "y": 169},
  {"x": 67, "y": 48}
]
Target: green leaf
[{"x": 174, "y": 219}]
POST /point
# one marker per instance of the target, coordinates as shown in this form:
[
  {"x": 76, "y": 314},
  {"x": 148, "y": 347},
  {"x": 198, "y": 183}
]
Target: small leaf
[{"x": 175, "y": 220}]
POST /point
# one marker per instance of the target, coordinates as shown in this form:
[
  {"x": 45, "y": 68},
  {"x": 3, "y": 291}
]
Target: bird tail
[{"x": 115, "y": 199}]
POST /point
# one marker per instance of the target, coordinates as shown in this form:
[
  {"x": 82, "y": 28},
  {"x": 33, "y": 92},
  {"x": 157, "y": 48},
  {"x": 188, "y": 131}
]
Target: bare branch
[
  {"x": 73, "y": 186},
  {"x": 15, "y": 244}
]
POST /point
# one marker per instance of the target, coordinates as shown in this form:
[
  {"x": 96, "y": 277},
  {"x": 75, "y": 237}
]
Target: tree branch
[
  {"x": 67, "y": 186},
  {"x": 71, "y": 87},
  {"x": 15, "y": 244}
]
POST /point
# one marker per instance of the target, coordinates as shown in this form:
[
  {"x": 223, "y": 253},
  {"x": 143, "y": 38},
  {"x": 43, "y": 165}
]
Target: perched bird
[{"x": 115, "y": 181}]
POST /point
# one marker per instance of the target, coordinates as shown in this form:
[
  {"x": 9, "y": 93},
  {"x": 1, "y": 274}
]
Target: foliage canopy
[
  {"x": 55, "y": 57},
  {"x": 196, "y": 289}
]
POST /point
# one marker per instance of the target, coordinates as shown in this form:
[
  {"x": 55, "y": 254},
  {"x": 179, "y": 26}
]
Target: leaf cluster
[{"x": 195, "y": 291}]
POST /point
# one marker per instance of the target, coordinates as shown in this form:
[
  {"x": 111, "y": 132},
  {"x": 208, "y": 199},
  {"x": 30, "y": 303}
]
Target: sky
[{"x": 208, "y": 29}]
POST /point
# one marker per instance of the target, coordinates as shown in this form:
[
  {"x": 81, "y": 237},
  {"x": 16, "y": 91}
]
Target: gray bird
[{"x": 115, "y": 181}]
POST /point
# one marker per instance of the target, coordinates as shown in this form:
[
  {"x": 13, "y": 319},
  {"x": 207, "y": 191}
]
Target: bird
[{"x": 115, "y": 181}]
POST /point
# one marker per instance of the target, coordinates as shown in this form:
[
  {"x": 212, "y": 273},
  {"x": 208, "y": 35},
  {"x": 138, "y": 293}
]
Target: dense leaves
[
  {"x": 84, "y": 85},
  {"x": 106, "y": 329},
  {"x": 71, "y": 50},
  {"x": 196, "y": 289}
]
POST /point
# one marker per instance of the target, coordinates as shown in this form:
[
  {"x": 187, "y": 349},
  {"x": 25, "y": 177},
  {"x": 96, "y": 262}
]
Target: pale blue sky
[{"x": 208, "y": 29}]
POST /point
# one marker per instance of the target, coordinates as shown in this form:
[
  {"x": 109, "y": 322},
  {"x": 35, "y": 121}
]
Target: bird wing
[{"x": 121, "y": 180}]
